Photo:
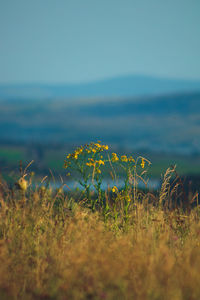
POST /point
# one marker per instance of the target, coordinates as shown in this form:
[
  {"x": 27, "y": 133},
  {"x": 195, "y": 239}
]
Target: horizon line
[{"x": 100, "y": 79}]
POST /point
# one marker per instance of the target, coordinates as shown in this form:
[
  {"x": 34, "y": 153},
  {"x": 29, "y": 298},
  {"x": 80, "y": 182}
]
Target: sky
[{"x": 71, "y": 41}]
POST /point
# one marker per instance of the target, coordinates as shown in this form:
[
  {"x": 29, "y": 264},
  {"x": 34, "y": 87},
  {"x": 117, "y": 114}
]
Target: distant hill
[
  {"x": 167, "y": 123},
  {"x": 124, "y": 86}
]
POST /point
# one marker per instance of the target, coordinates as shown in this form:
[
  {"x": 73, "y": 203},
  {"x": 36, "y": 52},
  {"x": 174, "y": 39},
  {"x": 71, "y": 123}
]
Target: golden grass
[{"x": 54, "y": 248}]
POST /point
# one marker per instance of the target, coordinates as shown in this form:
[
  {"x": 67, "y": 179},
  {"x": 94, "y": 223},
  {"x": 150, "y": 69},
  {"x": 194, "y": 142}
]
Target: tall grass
[{"x": 55, "y": 245}]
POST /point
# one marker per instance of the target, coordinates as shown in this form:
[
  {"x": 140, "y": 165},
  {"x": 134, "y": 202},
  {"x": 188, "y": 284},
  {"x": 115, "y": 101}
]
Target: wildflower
[
  {"x": 98, "y": 171},
  {"x": 114, "y": 189},
  {"x": 142, "y": 163},
  {"x": 124, "y": 158},
  {"x": 91, "y": 163},
  {"x": 131, "y": 159},
  {"x": 100, "y": 162},
  {"x": 114, "y": 157},
  {"x": 80, "y": 150},
  {"x": 77, "y": 152},
  {"x": 98, "y": 145}
]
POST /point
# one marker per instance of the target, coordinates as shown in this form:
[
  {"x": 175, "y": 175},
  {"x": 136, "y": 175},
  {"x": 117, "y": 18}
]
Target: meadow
[{"x": 92, "y": 243}]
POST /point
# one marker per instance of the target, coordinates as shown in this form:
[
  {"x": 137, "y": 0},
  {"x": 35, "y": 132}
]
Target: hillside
[{"x": 169, "y": 123}]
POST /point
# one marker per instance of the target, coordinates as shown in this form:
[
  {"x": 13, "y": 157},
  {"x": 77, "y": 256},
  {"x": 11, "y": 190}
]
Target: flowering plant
[{"x": 89, "y": 160}]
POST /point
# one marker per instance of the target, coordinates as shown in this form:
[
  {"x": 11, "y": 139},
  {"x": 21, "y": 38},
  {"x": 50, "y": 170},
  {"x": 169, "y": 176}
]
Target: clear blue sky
[{"x": 83, "y": 40}]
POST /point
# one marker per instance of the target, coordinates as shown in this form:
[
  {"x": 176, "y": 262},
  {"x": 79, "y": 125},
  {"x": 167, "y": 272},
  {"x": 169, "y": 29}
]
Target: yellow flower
[
  {"x": 98, "y": 171},
  {"x": 100, "y": 162},
  {"x": 114, "y": 189},
  {"x": 106, "y": 147},
  {"x": 98, "y": 145},
  {"x": 90, "y": 164},
  {"x": 114, "y": 157},
  {"x": 131, "y": 159},
  {"x": 94, "y": 150},
  {"x": 142, "y": 163},
  {"x": 124, "y": 158}
]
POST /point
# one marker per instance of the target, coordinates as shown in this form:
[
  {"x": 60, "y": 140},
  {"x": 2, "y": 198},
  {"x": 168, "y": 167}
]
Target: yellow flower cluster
[
  {"x": 114, "y": 157},
  {"x": 100, "y": 162},
  {"x": 124, "y": 158},
  {"x": 93, "y": 163},
  {"x": 87, "y": 149},
  {"x": 76, "y": 153},
  {"x": 96, "y": 147},
  {"x": 131, "y": 159}
]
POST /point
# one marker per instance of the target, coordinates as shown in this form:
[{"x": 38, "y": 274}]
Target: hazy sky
[{"x": 83, "y": 40}]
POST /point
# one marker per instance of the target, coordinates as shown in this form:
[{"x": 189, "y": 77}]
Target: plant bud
[{"x": 22, "y": 184}]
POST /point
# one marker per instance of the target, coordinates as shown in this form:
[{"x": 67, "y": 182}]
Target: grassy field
[{"x": 94, "y": 244}]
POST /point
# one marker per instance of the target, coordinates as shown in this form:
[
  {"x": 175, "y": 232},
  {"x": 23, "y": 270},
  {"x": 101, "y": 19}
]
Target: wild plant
[{"x": 89, "y": 160}]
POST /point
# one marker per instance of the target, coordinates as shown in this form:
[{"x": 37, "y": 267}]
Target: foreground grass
[{"x": 52, "y": 247}]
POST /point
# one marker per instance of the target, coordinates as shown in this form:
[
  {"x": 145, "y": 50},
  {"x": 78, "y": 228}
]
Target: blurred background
[{"x": 123, "y": 72}]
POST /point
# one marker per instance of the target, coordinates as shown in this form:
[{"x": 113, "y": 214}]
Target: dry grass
[{"x": 54, "y": 248}]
